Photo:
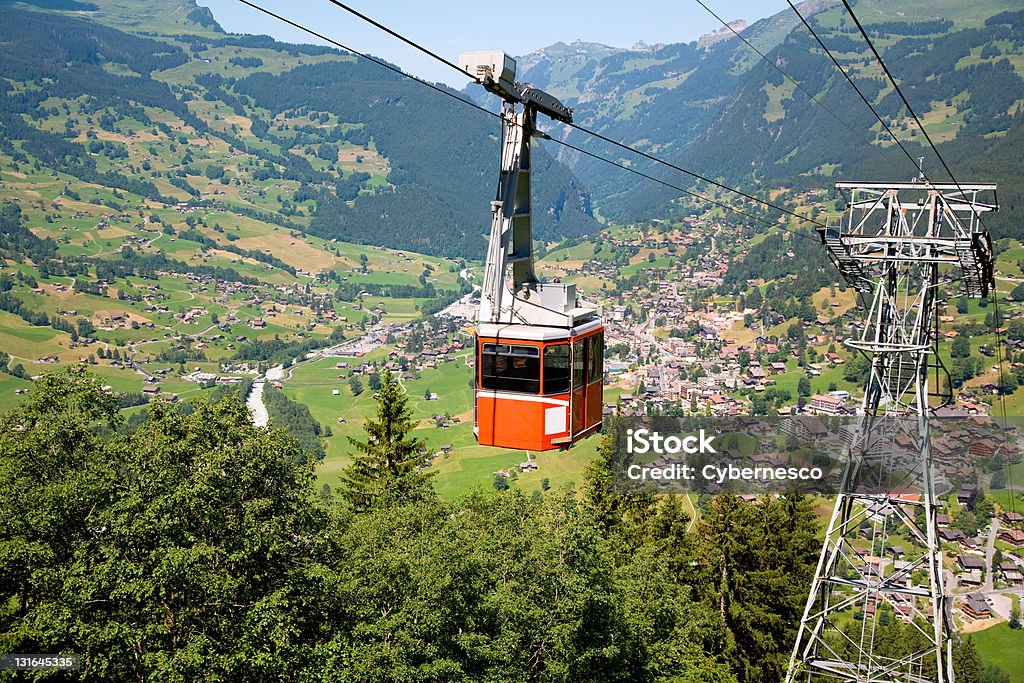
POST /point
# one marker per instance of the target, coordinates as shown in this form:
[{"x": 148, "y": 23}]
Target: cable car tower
[
  {"x": 539, "y": 348},
  {"x": 897, "y": 242}
]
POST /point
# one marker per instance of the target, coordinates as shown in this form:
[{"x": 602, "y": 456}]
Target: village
[{"x": 690, "y": 350}]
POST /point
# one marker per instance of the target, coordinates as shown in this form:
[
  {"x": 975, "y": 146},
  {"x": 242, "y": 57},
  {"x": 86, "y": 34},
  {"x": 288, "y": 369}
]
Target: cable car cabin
[
  {"x": 539, "y": 348},
  {"x": 538, "y": 388}
]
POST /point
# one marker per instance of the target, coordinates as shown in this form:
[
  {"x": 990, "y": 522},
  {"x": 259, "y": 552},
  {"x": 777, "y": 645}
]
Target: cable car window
[
  {"x": 595, "y": 358},
  {"x": 506, "y": 367},
  {"x": 556, "y": 369},
  {"x": 578, "y": 362},
  {"x": 497, "y": 348}
]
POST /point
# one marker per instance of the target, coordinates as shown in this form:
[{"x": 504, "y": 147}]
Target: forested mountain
[
  {"x": 442, "y": 161},
  {"x": 357, "y": 150},
  {"x": 185, "y": 112},
  {"x": 723, "y": 111}
]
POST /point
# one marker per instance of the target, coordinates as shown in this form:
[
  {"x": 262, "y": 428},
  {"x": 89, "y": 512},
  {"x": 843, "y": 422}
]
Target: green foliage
[
  {"x": 756, "y": 562},
  {"x": 16, "y": 240},
  {"x": 966, "y": 521},
  {"x": 983, "y": 507},
  {"x": 386, "y": 463},
  {"x": 966, "y": 662},
  {"x": 960, "y": 348},
  {"x": 774, "y": 258},
  {"x": 199, "y": 546},
  {"x": 856, "y": 369},
  {"x": 278, "y": 351},
  {"x": 963, "y": 369},
  {"x": 296, "y": 419},
  {"x": 190, "y": 533},
  {"x": 247, "y": 62},
  {"x": 968, "y": 667}
]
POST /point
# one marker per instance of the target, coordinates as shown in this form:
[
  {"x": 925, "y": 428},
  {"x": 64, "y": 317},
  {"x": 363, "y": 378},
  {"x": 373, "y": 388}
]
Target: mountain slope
[
  {"x": 302, "y": 135},
  {"x": 965, "y": 84},
  {"x": 721, "y": 110}
]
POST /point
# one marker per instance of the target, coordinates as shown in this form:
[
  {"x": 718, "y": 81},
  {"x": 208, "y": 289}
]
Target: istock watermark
[
  {"x": 807, "y": 454},
  {"x": 645, "y": 441},
  {"x": 719, "y": 474}
]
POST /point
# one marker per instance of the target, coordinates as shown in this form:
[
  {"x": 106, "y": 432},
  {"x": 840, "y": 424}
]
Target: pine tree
[
  {"x": 622, "y": 515},
  {"x": 386, "y": 462},
  {"x": 966, "y": 662},
  {"x": 756, "y": 561}
]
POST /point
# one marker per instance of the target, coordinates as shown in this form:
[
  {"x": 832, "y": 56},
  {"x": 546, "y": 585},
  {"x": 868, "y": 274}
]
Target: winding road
[{"x": 254, "y": 401}]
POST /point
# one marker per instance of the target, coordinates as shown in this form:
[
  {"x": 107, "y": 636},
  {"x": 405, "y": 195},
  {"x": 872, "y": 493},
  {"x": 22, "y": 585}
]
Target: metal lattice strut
[{"x": 897, "y": 244}]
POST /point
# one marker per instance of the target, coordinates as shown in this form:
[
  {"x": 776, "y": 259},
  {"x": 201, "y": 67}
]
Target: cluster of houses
[
  {"x": 706, "y": 369},
  {"x": 971, "y": 567},
  {"x": 709, "y": 371}
]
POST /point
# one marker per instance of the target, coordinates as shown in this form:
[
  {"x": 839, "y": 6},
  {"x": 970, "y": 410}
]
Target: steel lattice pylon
[{"x": 897, "y": 243}]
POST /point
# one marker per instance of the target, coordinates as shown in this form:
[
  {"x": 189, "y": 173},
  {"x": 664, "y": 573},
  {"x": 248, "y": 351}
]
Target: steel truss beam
[{"x": 892, "y": 243}]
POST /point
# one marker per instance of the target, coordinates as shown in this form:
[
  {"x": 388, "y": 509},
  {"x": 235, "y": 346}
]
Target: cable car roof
[{"x": 534, "y": 332}]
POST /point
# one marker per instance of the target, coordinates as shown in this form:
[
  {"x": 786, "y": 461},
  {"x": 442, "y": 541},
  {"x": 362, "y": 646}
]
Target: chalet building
[
  {"x": 972, "y": 578},
  {"x": 806, "y": 427},
  {"x": 756, "y": 374},
  {"x": 984, "y": 448},
  {"x": 974, "y": 543},
  {"x": 904, "y": 612},
  {"x": 1014, "y": 537},
  {"x": 1011, "y": 573},
  {"x": 905, "y": 442},
  {"x": 1010, "y": 517},
  {"x": 952, "y": 535},
  {"x": 976, "y": 607},
  {"x": 970, "y": 562},
  {"x": 966, "y": 495}
]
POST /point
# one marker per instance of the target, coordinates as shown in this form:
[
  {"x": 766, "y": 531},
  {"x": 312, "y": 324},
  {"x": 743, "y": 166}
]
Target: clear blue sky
[{"x": 452, "y": 26}]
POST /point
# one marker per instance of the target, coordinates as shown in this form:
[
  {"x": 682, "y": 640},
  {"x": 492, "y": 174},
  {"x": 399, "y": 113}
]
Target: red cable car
[
  {"x": 539, "y": 348},
  {"x": 538, "y": 388}
]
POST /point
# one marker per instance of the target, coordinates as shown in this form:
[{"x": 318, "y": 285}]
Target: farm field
[
  {"x": 1001, "y": 645},
  {"x": 465, "y": 465}
]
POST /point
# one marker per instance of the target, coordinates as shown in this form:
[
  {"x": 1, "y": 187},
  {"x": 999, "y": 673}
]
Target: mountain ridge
[{"x": 693, "y": 105}]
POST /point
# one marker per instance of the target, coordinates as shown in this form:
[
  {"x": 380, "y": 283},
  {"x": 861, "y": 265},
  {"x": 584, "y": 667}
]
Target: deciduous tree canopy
[{"x": 198, "y": 546}]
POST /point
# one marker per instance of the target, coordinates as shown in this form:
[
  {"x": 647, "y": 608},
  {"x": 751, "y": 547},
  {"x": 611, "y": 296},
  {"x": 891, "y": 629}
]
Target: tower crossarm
[{"x": 914, "y": 222}]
